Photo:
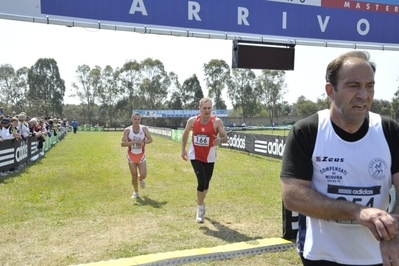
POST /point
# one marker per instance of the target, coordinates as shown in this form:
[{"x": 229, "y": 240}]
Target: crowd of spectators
[
  {"x": 233, "y": 124},
  {"x": 21, "y": 127}
]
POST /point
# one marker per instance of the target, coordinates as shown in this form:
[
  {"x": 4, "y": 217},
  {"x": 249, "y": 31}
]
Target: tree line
[{"x": 107, "y": 96}]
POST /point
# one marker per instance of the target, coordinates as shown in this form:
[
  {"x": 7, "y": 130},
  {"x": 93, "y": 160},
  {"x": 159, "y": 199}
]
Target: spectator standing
[
  {"x": 74, "y": 125},
  {"x": 36, "y": 132},
  {"x": 23, "y": 126}
]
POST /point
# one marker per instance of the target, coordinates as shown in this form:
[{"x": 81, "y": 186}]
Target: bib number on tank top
[
  {"x": 201, "y": 140},
  {"x": 135, "y": 149}
]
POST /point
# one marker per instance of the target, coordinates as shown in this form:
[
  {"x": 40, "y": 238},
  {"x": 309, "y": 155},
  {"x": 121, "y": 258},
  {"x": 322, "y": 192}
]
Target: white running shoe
[
  {"x": 135, "y": 195},
  {"x": 142, "y": 184},
  {"x": 200, "y": 214}
]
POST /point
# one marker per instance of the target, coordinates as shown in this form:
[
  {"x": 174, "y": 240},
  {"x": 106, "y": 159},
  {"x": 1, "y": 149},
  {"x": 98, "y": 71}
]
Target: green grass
[{"x": 73, "y": 205}]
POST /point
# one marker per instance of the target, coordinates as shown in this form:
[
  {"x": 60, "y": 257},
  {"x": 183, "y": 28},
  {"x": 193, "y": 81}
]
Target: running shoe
[
  {"x": 142, "y": 184},
  {"x": 200, "y": 214},
  {"x": 135, "y": 195}
]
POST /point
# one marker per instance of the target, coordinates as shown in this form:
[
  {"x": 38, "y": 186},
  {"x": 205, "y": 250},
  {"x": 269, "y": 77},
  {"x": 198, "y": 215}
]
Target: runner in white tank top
[
  {"x": 135, "y": 138},
  {"x": 337, "y": 169}
]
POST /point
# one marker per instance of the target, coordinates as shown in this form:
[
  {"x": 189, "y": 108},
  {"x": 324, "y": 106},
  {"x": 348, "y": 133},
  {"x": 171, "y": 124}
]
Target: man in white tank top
[
  {"x": 338, "y": 166},
  {"x": 135, "y": 137}
]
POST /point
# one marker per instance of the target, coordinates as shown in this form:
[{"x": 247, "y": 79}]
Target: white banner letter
[
  {"x": 193, "y": 10},
  {"x": 138, "y": 6},
  {"x": 323, "y": 25},
  {"x": 243, "y": 13},
  {"x": 359, "y": 24}
]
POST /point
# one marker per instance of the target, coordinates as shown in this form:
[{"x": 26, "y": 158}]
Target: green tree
[
  {"x": 244, "y": 92},
  {"x": 73, "y": 111},
  {"x": 286, "y": 108},
  {"x": 191, "y": 93},
  {"x": 381, "y": 107},
  {"x": 130, "y": 77},
  {"x": 176, "y": 99},
  {"x": 109, "y": 92},
  {"x": 395, "y": 107},
  {"x": 217, "y": 75},
  {"x": 273, "y": 88},
  {"x": 323, "y": 102},
  {"x": 154, "y": 84},
  {"x": 46, "y": 88},
  {"x": 13, "y": 87},
  {"x": 86, "y": 88},
  {"x": 305, "y": 107}
]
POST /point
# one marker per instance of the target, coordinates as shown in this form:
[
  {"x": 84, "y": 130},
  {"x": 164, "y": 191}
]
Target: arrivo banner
[
  {"x": 355, "y": 21},
  {"x": 323, "y": 21}
]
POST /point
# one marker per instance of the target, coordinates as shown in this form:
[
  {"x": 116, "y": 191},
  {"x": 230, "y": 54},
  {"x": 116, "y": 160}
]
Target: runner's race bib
[{"x": 201, "y": 140}]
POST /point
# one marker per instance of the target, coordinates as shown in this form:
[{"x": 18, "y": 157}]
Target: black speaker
[{"x": 256, "y": 55}]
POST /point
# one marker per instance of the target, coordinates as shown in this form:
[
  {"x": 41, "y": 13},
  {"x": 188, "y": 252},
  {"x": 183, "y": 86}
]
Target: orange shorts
[{"x": 135, "y": 158}]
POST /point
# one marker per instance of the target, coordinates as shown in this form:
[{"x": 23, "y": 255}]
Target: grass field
[{"x": 73, "y": 205}]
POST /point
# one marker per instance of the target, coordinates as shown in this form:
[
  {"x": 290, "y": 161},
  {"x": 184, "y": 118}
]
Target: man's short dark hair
[{"x": 335, "y": 65}]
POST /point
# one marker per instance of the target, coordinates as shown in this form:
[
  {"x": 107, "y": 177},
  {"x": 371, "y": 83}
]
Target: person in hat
[
  {"x": 5, "y": 132},
  {"x": 5, "y": 122},
  {"x": 23, "y": 126},
  {"x": 14, "y": 128}
]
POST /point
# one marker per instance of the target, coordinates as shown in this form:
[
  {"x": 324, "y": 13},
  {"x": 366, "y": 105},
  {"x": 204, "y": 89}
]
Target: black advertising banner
[
  {"x": 267, "y": 145},
  {"x": 14, "y": 153}
]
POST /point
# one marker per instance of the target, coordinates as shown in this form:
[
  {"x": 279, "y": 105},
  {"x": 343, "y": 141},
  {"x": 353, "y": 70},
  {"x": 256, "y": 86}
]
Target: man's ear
[{"x": 330, "y": 91}]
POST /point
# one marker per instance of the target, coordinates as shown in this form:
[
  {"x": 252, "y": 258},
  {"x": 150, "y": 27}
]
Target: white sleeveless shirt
[
  {"x": 133, "y": 136},
  {"x": 358, "y": 171}
]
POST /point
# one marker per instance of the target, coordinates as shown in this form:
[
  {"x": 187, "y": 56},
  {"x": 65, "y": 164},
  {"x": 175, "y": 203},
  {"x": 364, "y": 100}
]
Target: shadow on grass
[
  {"x": 15, "y": 172},
  {"x": 3, "y": 178},
  {"x": 225, "y": 233},
  {"x": 147, "y": 201}
]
